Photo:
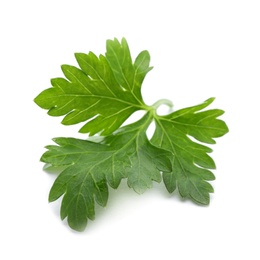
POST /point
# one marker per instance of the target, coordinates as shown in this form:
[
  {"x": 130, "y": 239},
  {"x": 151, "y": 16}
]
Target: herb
[{"x": 104, "y": 92}]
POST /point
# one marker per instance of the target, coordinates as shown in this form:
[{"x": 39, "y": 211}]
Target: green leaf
[
  {"x": 145, "y": 159},
  {"x": 190, "y": 160},
  {"x": 126, "y": 153},
  {"x": 104, "y": 92},
  {"x": 129, "y": 76}
]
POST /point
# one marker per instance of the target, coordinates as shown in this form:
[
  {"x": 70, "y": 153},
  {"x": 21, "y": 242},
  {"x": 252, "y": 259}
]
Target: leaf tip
[
  {"x": 56, "y": 140},
  {"x": 38, "y": 100},
  {"x": 64, "y": 67},
  {"x": 209, "y": 100}
]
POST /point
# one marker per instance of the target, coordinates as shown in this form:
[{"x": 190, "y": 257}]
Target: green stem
[{"x": 160, "y": 102}]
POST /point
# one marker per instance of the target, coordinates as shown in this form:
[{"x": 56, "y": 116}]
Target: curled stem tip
[{"x": 160, "y": 102}]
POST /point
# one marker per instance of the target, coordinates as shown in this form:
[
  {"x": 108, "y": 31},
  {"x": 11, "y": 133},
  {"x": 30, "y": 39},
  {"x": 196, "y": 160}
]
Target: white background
[{"x": 199, "y": 49}]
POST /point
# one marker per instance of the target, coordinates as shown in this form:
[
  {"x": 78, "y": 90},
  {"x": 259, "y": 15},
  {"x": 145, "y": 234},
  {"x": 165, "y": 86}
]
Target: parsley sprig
[{"x": 103, "y": 92}]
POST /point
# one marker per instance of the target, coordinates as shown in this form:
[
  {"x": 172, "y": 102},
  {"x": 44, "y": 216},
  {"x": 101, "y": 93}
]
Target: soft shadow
[
  {"x": 54, "y": 170},
  {"x": 122, "y": 195}
]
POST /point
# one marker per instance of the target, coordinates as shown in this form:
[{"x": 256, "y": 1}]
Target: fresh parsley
[{"x": 103, "y": 93}]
